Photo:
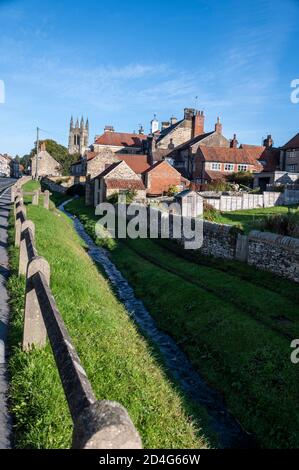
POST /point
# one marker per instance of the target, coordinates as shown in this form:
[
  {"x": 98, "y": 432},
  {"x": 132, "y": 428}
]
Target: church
[{"x": 78, "y": 137}]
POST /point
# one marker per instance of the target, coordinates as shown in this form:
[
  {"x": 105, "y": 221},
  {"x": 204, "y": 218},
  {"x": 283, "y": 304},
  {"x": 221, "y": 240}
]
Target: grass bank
[
  {"x": 121, "y": 366},
  {"x": 251, "y": 219},
  {"x": 231, "y": 321}
]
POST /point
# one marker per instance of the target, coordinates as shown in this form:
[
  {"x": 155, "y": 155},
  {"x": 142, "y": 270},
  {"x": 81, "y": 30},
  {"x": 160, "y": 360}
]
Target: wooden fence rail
[{"x": 96, "y": 424}]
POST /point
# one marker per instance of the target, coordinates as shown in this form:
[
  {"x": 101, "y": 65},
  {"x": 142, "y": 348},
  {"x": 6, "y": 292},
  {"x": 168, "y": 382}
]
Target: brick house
[
  {"x": 160, "y": 176},
  {"x": 212, "y": 163},
  {"x": 47, "y": 165},
  {"x": 117, "y": 178},
  {"x": 119, "y": 142}
]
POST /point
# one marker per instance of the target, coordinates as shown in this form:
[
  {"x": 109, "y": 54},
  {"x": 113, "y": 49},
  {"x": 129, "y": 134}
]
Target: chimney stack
[
  {"x": 165, "y": 125},
  {"x": 218, "y": 126},
  {"x": 189, "y": 113},
  {"x": 173, "y": 120},
  {"x": 43, "y": 146},
  {"x": 234, "y": 142},
  {"x": 198, "y": 124},
  {"x": 268, "y": 142},
  {"x": 109, "y": 129}
]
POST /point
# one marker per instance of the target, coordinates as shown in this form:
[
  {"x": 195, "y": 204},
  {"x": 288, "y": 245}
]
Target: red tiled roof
[
  {"x": 155, "y": 165},
  {"x": 231, "y": 155},
  {"x": 121, "y": 139},
  {"x": 137, "y": 163},
  {"x": 293, "y": 143},
  {"x": 116, "y": 183}
]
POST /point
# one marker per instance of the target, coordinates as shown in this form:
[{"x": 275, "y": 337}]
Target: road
[
  {"x": 5, "y": 422},
  {"x": 4, "y": 182}
]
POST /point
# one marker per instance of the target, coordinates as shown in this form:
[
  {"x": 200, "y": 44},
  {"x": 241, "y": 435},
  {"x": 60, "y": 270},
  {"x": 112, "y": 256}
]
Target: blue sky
[{"x": 120, "y": 62}]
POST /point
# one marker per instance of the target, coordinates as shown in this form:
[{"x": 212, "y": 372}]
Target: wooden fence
[{"x": 96, "y": 424}]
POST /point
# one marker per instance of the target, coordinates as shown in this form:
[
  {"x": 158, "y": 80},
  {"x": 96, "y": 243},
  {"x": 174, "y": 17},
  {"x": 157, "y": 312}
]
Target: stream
[{"x": 230, "y": 433}]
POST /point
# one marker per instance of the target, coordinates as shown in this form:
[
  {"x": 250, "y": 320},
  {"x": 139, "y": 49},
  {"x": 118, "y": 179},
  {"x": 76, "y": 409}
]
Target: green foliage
[
  {"x": 218, "y": 185},
  {"x": 130, "y": 195},
  {"x": 283, "y": 224},
  {"x": 172, "y": 191},
  {"x": 244, "y": 178},
  {"x": 209, "y": 212}
]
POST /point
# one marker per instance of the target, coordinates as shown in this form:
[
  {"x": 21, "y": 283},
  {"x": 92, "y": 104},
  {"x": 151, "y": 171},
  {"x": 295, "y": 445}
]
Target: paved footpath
[{"x": 5, "y": 421}]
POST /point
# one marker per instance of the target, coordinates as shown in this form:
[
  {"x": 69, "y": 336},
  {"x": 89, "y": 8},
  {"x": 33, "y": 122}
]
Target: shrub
[
  {"x": 130, "y": 195},
  {"x": 283, "y": 224},
  {"x": 218, "y": 185},
  {"x": 172, "y": 190},
  {"x": 244, "y": 178},
  {"x": 209, "y": 211}
]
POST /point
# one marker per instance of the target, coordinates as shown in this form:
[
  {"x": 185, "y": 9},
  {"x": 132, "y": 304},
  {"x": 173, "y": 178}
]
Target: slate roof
[{"x": 293, "y": 143}]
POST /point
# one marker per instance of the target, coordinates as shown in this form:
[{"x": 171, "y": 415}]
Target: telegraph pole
[{"x": 37, "y": 147}]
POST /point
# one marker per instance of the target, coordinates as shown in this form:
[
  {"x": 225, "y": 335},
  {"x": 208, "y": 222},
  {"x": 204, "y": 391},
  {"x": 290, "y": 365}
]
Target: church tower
[{"x": 78, "y": 136}]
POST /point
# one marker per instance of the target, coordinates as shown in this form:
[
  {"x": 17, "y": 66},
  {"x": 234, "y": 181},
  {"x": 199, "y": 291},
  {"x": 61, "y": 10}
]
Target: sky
[{"x": 120, "y": 62}]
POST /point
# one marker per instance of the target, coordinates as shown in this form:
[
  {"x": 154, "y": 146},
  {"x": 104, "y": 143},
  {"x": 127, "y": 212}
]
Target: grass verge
[
  {"x": 233, "y": 329},
  {"x": 120, "y": 364}
]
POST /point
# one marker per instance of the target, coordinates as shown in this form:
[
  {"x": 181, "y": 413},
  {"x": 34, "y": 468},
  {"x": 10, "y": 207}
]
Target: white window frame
[
  {"x": 215, "y": 166},
  {"x": 229, "y": 167},
  {"x": 242, "y": 167}
]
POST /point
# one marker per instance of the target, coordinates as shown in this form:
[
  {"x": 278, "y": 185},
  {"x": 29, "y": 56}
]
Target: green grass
[
  {"x": 31, "y": 185},
  {"x": 231, "y": 321},
  {"x": 250, "y": 219},
  {"x": 119, "y": 363}
]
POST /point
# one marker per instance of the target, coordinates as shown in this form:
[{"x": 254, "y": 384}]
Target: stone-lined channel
[{"x": 229, "y": 432}]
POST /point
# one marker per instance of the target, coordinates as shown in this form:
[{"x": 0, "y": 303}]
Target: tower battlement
[{"x": 78, "y": 136}]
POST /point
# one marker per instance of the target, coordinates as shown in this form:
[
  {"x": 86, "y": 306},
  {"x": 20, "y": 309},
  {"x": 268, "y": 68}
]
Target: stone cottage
[
  {"x": 117, "y": 178},
  {"x": 46, "y": 164}
]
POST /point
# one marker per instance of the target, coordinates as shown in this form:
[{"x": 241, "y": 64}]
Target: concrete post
[
  {"x": 241, "y": 248},
  {"x": 35, "y": 333},
  {"x": 105, "y": 425},
  {"x": 23, "y": 256},
  {"x": 46, "y": 199},
  {"x": 35, "y": 197}
]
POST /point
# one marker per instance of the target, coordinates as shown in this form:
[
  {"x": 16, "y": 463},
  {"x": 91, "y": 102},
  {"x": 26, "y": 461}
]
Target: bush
[
  {"x": 209, "y": 212},
  {"x": 218, "y": 185},
  {"x": 244, "y": 178},
  {"x": 172, "y": 190},
  {"x": 283, "y": 224},
  {"x": 130, "y": 195}
]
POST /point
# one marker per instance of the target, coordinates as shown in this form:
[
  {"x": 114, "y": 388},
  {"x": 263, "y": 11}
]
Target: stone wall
[
  {"x": 52, "y": 186},
  {"x": 275, "y": 253}
]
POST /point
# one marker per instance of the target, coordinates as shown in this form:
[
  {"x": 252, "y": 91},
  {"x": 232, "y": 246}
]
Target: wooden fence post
[
  {"x": 23, "y": 257},
  {"x": 46, "y": 199},
  {"x": 34, "y": 333},
  {"x": 35, "y": 197},
  {"x": 18, "y": 226}
]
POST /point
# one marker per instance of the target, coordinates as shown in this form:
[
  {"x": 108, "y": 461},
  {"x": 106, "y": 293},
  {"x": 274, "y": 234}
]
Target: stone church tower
[{"x": 78, "y": 137}]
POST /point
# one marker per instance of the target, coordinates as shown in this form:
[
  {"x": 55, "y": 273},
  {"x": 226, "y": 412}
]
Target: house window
[
  {"x": 229, "y": 167},
  {"x": 291, "y": 168},
  {"x": 242, "y": 167},
  {"x": 292, "y": 154},
  {"x": 216, "y": 166}
]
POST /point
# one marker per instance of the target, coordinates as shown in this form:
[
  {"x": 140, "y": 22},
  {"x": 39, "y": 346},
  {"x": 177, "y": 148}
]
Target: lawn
[
  {"x": 119, "y": 363},
  {"x": 234, "y": 324},
  {"x": 250, "y": 219}
]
